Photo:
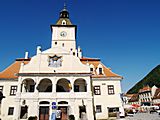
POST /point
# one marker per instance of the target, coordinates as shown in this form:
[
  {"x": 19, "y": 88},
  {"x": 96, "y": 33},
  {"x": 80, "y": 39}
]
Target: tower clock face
[{"x": 63, "y": 34}]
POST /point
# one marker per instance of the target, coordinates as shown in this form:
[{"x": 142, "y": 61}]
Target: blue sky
[{"x": 125, "y": 34}]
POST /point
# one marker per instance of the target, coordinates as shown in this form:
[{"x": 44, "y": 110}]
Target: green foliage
[
  {"x": 153, "y": 78},
  {"x": 32, "y": 118}
]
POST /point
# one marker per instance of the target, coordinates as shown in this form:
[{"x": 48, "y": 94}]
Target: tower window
[
  {"x": 55, "y": 43},
  {"x": 74, "y": 53},
  {"x": 63, "y": 45},
  {"x": 63, "y": 22}
]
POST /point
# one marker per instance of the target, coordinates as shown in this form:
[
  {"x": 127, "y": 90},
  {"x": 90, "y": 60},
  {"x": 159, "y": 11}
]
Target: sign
[
  {"x": 58, "y": 114},
  {"x": 54, "y": 105}
]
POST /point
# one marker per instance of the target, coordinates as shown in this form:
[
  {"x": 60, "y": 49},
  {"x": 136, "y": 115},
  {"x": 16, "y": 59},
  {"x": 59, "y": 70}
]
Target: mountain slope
[{"x": 153, "y": 78}]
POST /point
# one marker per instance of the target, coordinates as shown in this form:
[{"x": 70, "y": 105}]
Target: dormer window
[
  {"x": 100, "y": 71},
  {"x": 64, "y": 22},
  {"x": 91, "y": 69}
]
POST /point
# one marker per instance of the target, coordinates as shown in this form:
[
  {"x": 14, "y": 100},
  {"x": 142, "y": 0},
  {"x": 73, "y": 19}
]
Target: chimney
[
  {"x": 26, "y": 55},
  {"x": 38, "y": 49}
]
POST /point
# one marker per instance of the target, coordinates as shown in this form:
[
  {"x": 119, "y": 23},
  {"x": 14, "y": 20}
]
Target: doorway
[
  {"x": 64, "y": 114},
  {"x": 44, "y": 113}
]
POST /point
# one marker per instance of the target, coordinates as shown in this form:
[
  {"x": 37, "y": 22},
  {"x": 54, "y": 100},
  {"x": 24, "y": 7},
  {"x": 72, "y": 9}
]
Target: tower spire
[{"x": 65, "y": 6}]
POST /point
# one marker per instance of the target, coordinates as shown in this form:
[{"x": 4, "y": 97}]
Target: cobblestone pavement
[{"x": 143, "y": 116}]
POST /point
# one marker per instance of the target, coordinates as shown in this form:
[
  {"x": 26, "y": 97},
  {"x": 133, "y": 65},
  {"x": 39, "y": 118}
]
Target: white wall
[
  {"x": 106, "y": 100},
  {"x": 8, "y": 101}
]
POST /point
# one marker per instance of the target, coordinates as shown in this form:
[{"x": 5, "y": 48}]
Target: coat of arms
[{"x": 55, "y": 61}]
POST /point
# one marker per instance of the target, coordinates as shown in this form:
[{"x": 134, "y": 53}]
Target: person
[{"x": 134, "y": 111}]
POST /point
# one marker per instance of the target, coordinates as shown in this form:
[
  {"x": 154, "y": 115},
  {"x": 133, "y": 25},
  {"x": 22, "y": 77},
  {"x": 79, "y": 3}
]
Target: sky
[{"x": 125, "y": 34}]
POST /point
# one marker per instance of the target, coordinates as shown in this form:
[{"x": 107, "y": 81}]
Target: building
[
  {"x": 156, "y": 97},
  {"x": 59, "y": 81},
  {"x": 134, "y": 100}
]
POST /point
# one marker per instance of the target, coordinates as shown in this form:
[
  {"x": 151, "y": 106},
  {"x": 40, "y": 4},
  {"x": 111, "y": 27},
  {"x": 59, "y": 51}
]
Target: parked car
[{"x": 152, "y": 110}]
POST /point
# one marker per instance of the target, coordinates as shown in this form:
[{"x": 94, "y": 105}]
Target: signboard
[
  {"x": 58, "y": 114},
  {"x": 54, "y": 105}
]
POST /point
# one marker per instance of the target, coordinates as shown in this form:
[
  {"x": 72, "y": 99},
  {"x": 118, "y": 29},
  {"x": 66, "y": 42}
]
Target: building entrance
[
  {"x": 64, "y": 114},
  {"x": 44, "y": 113}
]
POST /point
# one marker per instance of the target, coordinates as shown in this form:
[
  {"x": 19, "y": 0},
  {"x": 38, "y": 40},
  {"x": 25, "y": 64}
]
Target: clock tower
[{"x": 64, "y": 32}]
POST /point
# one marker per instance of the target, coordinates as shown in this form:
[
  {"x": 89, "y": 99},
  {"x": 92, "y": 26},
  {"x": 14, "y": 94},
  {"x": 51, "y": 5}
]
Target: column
[
  {"x": 54, "y": 83},
  {"x": 36, "y": 80},
  {"x": 19, "y": 86},
  {"x": 17, "y": 109},
  {"x": 72, "y": 84},
  {"x": 88, "y": 82},
  {"x": 89, "y": 109}
]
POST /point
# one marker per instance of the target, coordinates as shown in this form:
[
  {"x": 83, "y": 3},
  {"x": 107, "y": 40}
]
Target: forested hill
[{"x": 153, "y": 78}]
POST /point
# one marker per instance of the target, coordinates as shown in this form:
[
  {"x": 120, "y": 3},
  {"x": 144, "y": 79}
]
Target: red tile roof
[
  {"x": 157, "y": 94},
  {"x": 134, "y": 98},
  {"x": 145, "y": 89},
  {"x": 95, "y": 62},
  {"x": 9, "y": 72}
]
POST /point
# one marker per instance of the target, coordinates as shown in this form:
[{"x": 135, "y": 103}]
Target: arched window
[
  {"x": 45, "y": 85},
  {"x": 44, "y": 102},
  {"x": 28, "y": 85},
  {"x": 63, "y": 85},
  {"x": 80, "y": 85},
  {"x": 64, "y": 22},
  {"x": 100, "y": 69}
]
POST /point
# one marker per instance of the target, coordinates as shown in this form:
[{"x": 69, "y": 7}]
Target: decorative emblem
[{"x": 55, "y": 61}]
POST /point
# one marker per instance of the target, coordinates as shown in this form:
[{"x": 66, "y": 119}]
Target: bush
[
  {"x": 32, "y": 118},
  {"x": 71, "y": 117}
]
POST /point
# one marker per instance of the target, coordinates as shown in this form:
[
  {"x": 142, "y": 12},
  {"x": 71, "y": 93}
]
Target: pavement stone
[{"x": 142, "y": 116}]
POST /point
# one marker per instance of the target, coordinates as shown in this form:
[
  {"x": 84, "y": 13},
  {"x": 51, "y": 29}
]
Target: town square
[{"x": 79, "y": 60}]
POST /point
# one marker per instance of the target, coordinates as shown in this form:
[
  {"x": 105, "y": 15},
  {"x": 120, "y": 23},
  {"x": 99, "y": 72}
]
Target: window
[
  {"x": 110, "y": 89},
  {"x": 98, "y": 109},
  {"x": 91, "y": 69},
  {"x": 1, "y": 88},
  {"x": 62, "y": 44},
  {"x": 97, "y": 90},
  {"x": 100, "y": 71},
  {"x": 24, "y": 112},
  {"x": 113, "y": 110},
  {"x": 76, "y": 88},
  {"x": 63, "y": 22},
  {"x": 31, "y": 88},
  {"x": 13, "y": 90},
  {"x": 10, "y": 110}
]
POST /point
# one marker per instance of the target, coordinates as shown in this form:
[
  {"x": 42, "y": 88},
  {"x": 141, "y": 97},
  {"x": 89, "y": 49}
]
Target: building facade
[{"x": 59, "y": 81}]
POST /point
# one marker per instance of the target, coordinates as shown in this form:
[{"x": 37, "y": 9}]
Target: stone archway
[
  {"x": 45, "y": 85},
  {"x": 63, "y": 85},
  {"x": 80, "y": 85},
  {"x": 28, "y": 85}
]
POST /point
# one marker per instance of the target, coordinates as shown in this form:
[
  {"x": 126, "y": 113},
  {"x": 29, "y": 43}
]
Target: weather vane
[{"x": 65, "y": 1}]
